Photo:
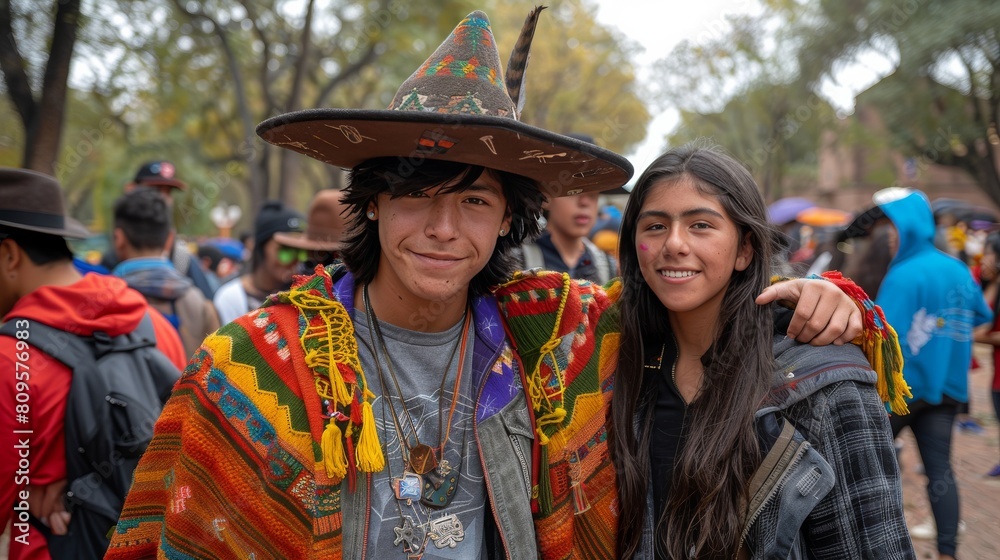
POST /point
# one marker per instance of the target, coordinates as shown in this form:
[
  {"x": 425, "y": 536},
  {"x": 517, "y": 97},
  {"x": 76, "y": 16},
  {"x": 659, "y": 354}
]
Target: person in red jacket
[
  {"x": 39, "y": 282},
  {"x": 990, "y": 274}
]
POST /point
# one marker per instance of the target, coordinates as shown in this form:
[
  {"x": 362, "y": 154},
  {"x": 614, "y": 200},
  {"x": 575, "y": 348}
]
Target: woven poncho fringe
[
  {"x": 881, "y": 346},
  {"x": 879, "y": 342},
  {"x": 331, "y": 351}
]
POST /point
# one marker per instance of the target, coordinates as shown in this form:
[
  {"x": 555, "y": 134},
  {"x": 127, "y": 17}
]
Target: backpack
[{"x": 119, "y": 387}]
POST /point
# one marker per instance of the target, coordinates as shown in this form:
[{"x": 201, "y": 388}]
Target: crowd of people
[{"x": 471, "y": 357}]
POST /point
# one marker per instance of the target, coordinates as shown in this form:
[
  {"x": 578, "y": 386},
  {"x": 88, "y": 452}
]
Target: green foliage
[
  {"x": 188, "y": 81},
  {"x": 942, "y": 102},
  {"x": 940, "y": 105},
  {"x": 738, "y": 90},
  {"x": 771, "y": 128}
]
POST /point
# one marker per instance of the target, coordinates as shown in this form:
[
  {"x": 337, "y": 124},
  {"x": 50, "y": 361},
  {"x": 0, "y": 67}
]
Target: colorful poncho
[{"x": 235, "y": 468}]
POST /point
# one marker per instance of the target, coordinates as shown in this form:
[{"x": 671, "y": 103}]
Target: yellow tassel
[
  {"x": 337, "y": 385},
  {"x": 334, "y": 458},
  {"x": 369, "y": 453},
  {"x": 554, "y": 417},
  {"x": 887, "y": 360},
  {"x": 882, "y": 383}
]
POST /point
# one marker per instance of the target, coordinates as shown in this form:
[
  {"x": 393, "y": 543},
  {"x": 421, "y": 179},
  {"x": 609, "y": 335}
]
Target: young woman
[{"x": 726, "y": 441}]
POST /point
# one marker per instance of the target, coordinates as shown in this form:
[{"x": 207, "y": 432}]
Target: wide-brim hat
[
  {"x": 32, "y": 201},
  {"x": 310, "y": 241},
  {"x": 325, "y": 224},
  {"x": 864, "y": 223},
  {"x": 456, "y": 107}
]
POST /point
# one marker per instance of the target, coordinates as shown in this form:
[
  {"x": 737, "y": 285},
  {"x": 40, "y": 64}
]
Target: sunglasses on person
[{"x": 289, "y": 255}]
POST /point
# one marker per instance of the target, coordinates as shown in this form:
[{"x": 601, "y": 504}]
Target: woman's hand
[{"x": 824, "y": 314}]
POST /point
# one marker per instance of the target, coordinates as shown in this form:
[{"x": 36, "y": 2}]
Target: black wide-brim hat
[
  {"x": 32, "y": 201},
  {"x": 455, "y": 107}
]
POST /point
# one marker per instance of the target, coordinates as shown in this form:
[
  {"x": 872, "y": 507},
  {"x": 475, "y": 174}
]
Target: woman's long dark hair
[
  {"x": 705, "y": 511},
  {"x": 397, "y": 177}
]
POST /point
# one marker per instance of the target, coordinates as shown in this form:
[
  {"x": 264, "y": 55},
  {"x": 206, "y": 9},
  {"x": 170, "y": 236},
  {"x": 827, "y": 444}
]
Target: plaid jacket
[{"x": 828, "y": 393}]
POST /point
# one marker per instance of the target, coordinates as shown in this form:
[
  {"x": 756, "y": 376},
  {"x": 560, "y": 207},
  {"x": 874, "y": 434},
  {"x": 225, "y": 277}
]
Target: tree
[
  {"x": 189, "y": 82},
  {"x": 773, "y": 128},
  {"x": 740, "y": 90},
  {"x": 279, "y": 60},
  {"x": 41, "y": 112},
  {"x": 941, "y": 104}
]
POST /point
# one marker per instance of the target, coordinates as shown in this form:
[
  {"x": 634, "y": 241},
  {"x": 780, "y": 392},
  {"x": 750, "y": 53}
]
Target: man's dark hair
[
  {"x": 41, "y": 248},
  {"x": 213, "y": 254},
  {"x": 144, "y": 217},
  {"x": 362, "y": 250}
]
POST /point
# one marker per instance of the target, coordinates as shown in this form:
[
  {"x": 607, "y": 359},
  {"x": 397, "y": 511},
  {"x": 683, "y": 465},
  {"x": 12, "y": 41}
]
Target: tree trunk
[
  {"x": 42, "y": 120},
  {"x": 43, "y": 137},
  {"x": 290, "y": 161},
  {"x": 988, "y": 175},
  {"x": 259, "y": 193}
]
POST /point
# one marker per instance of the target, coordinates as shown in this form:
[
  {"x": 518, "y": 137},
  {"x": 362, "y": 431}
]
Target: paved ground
[{"x": 972, "y": 456}]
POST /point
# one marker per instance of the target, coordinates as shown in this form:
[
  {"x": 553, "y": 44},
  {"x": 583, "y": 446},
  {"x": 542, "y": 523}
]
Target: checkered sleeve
[{"x": 862, "y": 517}]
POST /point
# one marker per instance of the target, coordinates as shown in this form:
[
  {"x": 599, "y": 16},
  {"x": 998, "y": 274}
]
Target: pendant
[
  {"x": 411, "y": 536},
  {"x": 407, "y": 487},
  {"x": 439, "y": 486},
  {"x": 422, "y": 459},
  {"x": 446, "y": 531}
]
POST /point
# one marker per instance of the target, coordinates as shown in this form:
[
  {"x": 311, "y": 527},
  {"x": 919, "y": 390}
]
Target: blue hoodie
[{"x": 933, "y": 302}]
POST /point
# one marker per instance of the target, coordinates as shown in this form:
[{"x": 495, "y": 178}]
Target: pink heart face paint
[{"x": 643, "y": 247}]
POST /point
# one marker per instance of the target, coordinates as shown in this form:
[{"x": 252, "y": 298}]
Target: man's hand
[
  {"x": 46, "y": 503},
  {"x": 824, "y": 314}
]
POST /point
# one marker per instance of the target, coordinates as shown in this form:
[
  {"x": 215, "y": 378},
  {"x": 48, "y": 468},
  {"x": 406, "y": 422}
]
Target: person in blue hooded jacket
[{"x": 934, "y": 303}]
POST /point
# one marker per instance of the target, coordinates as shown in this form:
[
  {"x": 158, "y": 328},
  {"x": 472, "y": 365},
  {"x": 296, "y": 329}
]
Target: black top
[
  {"x": 669, "y": 430},
  {"x": 666, "y": 439}
]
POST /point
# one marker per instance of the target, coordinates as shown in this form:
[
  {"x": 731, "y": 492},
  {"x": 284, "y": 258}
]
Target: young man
[
  {"x": 39, "y": 284},
  {"x": 161, "y": 176},
  {"x": 143, "y": 233},
  {"x": 378, "y": 410},
  {"x": 271, "y": 269}
]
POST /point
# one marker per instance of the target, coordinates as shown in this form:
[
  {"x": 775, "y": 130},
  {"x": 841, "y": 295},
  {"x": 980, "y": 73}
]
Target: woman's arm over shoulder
[{"x": 862, "y": 517}]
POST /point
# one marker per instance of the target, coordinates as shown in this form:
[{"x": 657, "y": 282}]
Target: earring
[
  {"x": 502, "y": 232},
  {"x": 371, "y": 214}
]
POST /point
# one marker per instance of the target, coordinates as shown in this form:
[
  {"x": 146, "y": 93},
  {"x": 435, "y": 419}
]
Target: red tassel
[
  {"x": 347, "y": 374},
  {"x": 356, "y": 409},
  {"x": 352, "y": 469}
]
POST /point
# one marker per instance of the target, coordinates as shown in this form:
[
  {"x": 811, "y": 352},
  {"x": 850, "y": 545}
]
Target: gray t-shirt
[{"x": 419, "y": 360}]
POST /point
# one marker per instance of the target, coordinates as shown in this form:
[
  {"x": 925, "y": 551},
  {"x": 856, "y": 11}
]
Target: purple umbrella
[{"x": 783, "y": 211}]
